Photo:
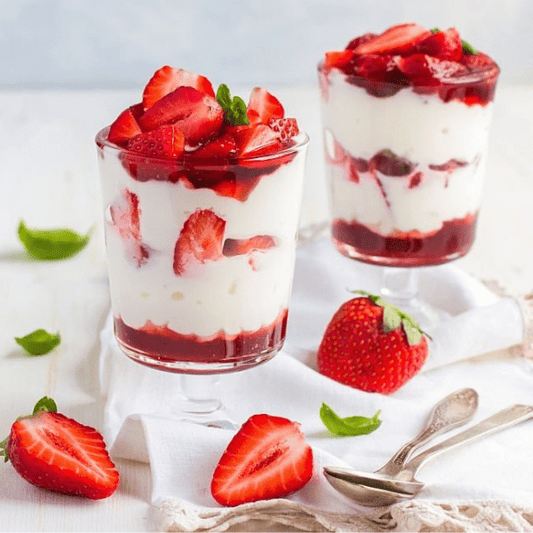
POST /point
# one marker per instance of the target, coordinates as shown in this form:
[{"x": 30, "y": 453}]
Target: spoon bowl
[{"x": 368, "y": 489}]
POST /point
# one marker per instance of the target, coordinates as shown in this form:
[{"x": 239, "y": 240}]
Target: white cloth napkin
[{"x": 490, "y": 477}]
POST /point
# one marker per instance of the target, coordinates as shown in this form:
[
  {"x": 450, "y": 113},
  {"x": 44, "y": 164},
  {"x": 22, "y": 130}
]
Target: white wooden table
[{"x": 48, "y": 177}]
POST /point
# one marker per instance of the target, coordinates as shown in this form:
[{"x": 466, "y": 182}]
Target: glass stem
[
  {"x": 201, "y": 393},
  {"x": 399, "y": 286}
]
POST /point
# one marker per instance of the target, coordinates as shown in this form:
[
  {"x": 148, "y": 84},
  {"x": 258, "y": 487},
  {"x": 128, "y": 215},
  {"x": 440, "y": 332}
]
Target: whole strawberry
[
  {"x": 59, "y": 454},
  {"x": 372, "y": 345}
]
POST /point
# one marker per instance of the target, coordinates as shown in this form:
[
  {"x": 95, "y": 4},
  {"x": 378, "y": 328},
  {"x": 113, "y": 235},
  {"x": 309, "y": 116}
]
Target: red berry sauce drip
[
  {"x": 166, "y": 346},
  {"x": 227, "y": 177},
  {"x": 452, "y": 241}
]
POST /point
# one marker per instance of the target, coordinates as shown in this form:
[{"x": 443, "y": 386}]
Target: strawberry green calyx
[
  {"x": 393, "y": 318},
  {"x": 44, "y": 404},
  {"x": 234, "y": 108}
]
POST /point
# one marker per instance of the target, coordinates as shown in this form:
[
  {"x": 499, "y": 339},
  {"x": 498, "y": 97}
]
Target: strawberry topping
[
  {"x": 266, "y": 105},
  {"x": 125, "y": 126},
  {"x": 166, "y": 142},
  {"x": 200, "y": 240},
  {"x": 442, "y": 45},
  {"x": 267, "y": 458},
  {"x": 285, "y": 128},
  {"x": 400, "y": 39},
  {"x": 167, "y": 79}
]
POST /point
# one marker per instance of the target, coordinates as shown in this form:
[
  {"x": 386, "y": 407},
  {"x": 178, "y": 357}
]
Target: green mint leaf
[
  {"x": 234, "y": 108},
  {"x": 39, "y": 342},
  {"x": 349, "y": 426},
  {"x": 468, "y": 48},
  {"x": 52, "y": 244},
  {"x": 434, "y": 30},
  {"x": 45, "y": 404}
]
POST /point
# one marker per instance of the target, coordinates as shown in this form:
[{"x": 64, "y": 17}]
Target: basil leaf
[
  {"x": 51, "y": 244},
  {"x": 234, "y": 108},
  {"x": 349, "y": 426},
  {"x": 45, "y": 404},
  {"x": 39, "y": 342}
]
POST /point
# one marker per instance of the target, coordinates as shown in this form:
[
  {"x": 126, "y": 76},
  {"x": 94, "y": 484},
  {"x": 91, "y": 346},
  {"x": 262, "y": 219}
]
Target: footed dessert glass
[
  {"x": 200, "y": 255},
  {"x": 405, "y": 140}
]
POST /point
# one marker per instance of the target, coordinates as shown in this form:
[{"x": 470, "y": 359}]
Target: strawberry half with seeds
[
  {"x": 200, "y": 239},
  {"x": 372, "y": 346},
  {"x": 259, "y": 243},
  {"x": 267, "y": 458},
  {"x": 59, "y": 454},
  {"x": 166, "y": 142},
  {"x": 167, "y": 79},
  {"x": 285, "y": 128}
]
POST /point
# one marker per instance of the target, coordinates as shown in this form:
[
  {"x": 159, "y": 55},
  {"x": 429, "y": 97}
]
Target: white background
[{"x": 120, "y": 43}]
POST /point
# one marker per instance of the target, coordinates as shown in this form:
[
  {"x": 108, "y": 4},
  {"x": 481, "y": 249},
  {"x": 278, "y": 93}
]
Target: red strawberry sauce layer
[
  {"x": 452, "y": 241},
  {"x": 408, "y": 55},
  {"x": 224, "y": 352}
]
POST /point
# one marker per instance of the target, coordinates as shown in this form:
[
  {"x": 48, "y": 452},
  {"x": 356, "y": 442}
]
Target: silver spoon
[{"x": 376, "y": 489}]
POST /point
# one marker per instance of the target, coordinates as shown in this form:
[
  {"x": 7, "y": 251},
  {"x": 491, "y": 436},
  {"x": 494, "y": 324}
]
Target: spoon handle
[
  {"x": 451, "y": 412},
  {"x": 506, "y": 418}
]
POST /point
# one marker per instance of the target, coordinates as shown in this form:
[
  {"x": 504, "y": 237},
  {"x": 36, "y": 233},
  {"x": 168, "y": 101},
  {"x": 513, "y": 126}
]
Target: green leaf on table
[
  {"x": 39, "y": 342},
  {"x": 234, "y": 108},
  {"x": 51, "y": 244},
  {"x": 349, "y": 426}
]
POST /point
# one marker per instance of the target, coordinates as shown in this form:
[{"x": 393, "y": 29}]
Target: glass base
[
  {"x": 203, "y": 368},
  {"x": 400, "y": 262}
]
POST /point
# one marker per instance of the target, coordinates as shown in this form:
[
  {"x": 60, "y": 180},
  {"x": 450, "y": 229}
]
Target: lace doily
[{"x": 413, "y": 516}]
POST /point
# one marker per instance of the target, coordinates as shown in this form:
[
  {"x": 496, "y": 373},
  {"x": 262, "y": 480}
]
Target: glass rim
[
  {"x": 301, "y": 142},
  {"x": 469, "y": 78}
]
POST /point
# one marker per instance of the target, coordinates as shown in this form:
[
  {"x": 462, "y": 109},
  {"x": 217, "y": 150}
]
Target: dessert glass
[
  {"x": 405, "y": 165},
  {"x": 224, "y": 309}
]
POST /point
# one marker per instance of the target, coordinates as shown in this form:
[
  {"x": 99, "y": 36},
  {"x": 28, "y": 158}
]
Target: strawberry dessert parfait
[
  {"x": 201, "y": 196},
  {"x": 406, "y": 118}
]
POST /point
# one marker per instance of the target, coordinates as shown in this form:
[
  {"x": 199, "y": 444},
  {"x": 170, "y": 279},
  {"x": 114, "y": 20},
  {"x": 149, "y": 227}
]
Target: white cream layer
[
  {"x": 224, "y": 295},
  {"x": 421, "y": 128}
]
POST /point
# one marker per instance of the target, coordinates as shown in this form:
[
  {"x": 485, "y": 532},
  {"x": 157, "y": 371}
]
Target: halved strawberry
[
  {"x": 354, "y": 43},
  {"x": 259, "y": 243},
  {"x": 165, "y": 142},
  {"x": 197, "y": 115},
  {"x": 444, "y": 44},
  {"x": 337, "y": 59},
  {"x": 167, "y": 79},
  {"x": 426, "y": 70},
  {"x": 267, "y": 458},
  {"x": 125, "y": 125},
  {"x": 397, "y": 40},
  {"x": 285, "y": 128},
  {"x": 266, "y": 105},
  {"x": 256, "y": 140},
  {"x": 125, "y": 217},
  {"x": 200, "y": 239},
  {"x": 59, "y": 454},
  {"x": 223, "y": 146}
]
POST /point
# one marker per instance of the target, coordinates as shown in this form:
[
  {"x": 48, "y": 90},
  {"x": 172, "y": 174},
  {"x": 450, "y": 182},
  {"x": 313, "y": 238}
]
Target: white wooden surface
[{"x": 48, "y": 177}]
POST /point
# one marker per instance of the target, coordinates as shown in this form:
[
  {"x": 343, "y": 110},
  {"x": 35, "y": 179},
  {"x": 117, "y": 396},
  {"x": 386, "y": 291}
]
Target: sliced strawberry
[
  {"x": 253, "y": 116},
  {"x": 223, "y": 146},
  {"x": 266, "y": 105},
  {"x": 354, "y": 43},
  {"x": 337, "y": 59},
  {"x": 285, "y": 128},
  {"x": 167, "y": 79},
  {"x": 267, "y": 458},
  {"x": 426, "y": 70},
  {"x": 198, "y": 116},
  {"x": 125, "y": 217},
  {"x": 397, "y": 40},
  {"x": 200, "y": 239},
  {"x": 125, "y": 125},
  {"x": 59, "y": 454},
  {"x": 165, "y": 142},
  {"x": 259, "y": 243},
  {"x": 257, "y": 140},
  {"x": 442, "y": 45}
]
